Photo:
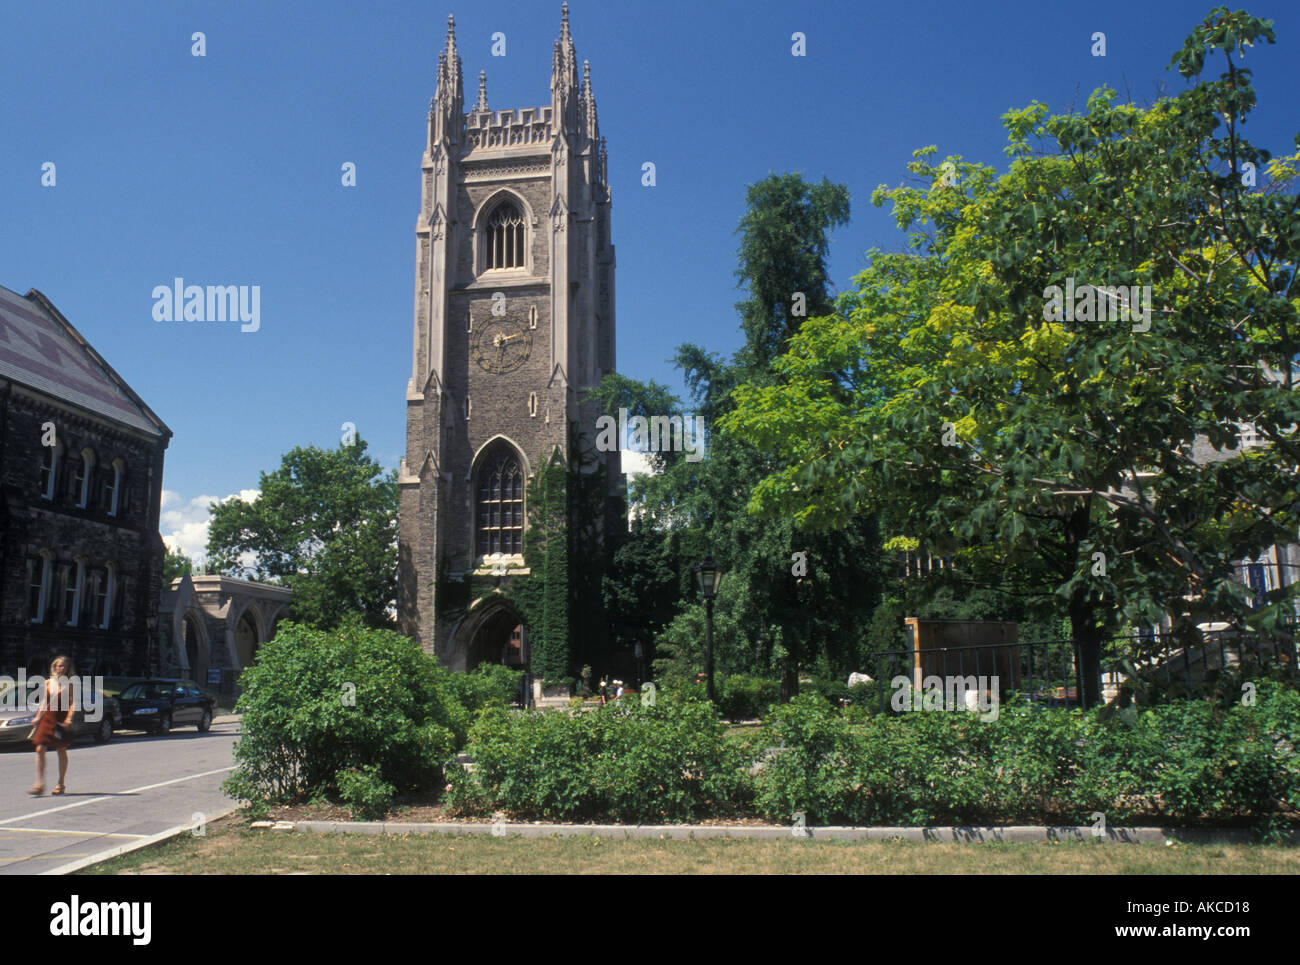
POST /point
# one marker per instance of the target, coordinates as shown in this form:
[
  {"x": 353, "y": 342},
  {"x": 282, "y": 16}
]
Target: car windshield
[{"x": 145, "y": 691}]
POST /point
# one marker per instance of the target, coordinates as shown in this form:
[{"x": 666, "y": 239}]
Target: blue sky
[{"x": 225, "y": 170}]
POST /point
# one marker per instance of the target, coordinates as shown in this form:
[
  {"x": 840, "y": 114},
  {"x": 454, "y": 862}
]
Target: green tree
[
  {"x": 175, "y": 564},
  {"x": 325, "y": 525},
  {"x": 783, "y": 252},
  {"x": 773, "y": 614},
  {"x": 954, "y": 396}
]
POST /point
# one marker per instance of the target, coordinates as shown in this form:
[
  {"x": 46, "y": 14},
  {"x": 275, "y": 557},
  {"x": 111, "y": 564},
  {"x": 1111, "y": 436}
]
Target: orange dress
[{"x": 52, "y": 720}]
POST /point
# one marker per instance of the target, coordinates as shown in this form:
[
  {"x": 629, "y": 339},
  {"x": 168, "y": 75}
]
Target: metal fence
[{"x": 1046, "y": 672}]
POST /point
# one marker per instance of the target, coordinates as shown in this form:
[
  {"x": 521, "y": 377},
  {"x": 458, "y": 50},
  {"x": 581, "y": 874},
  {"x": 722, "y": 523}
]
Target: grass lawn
[{"x": 231, "y": 848}]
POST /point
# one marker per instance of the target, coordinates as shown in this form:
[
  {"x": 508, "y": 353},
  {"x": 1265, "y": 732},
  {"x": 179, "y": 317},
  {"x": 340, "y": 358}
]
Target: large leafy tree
[
  {"x": 325, "y": 525},
  {"x": 956, "y": 395},
  {"x": 783, "y": 250},
  {"x": 775, "y": 613}
]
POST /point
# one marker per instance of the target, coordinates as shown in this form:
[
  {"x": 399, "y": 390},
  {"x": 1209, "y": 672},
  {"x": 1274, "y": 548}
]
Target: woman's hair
[{"x": 67, "y": 660}]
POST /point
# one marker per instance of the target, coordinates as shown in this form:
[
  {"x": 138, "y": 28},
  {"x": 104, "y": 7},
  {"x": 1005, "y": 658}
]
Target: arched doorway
[
  {"x": 499, "y": 639},
  {"x": 196, "y": 648},
  {"x": 246, "y": 640},
  {"x": 492, "y": 632}
]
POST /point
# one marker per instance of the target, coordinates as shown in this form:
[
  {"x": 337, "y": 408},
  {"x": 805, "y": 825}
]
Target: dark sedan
[{"x": 159, "y": 705}]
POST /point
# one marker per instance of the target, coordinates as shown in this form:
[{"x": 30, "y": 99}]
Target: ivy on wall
[
  {"x": 569, "y": 515},
  {"x": 543, "y": 596}
]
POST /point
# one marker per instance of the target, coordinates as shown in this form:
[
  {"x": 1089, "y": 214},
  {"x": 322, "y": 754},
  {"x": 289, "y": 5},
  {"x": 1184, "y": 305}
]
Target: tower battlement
[{"x": 511, "y": 127}]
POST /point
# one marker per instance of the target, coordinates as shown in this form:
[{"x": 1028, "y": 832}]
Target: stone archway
[
  {"x": 492, "y": 632},
  {"x": 194, "y": 641},
  {"x": 247, "y": 639}
]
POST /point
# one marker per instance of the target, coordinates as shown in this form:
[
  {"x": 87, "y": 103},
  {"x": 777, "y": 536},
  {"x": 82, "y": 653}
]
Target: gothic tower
[{"x": 514, "y": 321}]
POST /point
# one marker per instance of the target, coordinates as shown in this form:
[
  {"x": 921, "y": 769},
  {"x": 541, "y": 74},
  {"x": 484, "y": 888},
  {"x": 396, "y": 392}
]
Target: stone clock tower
[{"x": 514, "y": 320}]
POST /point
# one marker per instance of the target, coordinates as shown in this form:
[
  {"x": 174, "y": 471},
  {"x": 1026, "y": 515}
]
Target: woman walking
[{"x": 53, "y": 723}]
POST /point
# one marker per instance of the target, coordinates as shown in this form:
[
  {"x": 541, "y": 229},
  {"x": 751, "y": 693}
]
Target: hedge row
[
  {"x": 1185, "y": 763},
  {"x": 670, "y": 761}
]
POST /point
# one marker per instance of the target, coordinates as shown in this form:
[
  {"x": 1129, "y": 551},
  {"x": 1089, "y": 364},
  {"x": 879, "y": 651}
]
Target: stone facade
[
  {"x": 502, "y": 353},
  {"x": 81, "y": 463}
]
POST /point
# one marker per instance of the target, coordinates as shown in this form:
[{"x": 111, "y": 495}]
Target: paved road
[{"x": 128, "y": 789}]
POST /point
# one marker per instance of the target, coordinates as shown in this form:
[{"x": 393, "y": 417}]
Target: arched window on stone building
[
  {"x": 499, "y": 505},
  {"x": 505, "y": 237}
]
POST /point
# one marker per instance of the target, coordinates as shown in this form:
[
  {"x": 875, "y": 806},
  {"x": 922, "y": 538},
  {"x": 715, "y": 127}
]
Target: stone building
[
  {"x": 514, "y": 321},
  {"x": 81, "y": 464},
  {"x": 210, "y": 627}
]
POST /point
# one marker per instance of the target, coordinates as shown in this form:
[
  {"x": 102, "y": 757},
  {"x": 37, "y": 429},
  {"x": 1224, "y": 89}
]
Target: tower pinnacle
[{"x": 482, "y": 104}]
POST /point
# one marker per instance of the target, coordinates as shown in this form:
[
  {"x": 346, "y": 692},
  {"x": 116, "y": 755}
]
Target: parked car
[
  {"x": 15, "y": 723},
  {"x": 162, "y": 704}
]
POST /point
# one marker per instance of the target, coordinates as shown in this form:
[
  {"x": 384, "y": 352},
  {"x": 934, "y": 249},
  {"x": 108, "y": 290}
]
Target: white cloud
[{"x": 184, "y": 525}]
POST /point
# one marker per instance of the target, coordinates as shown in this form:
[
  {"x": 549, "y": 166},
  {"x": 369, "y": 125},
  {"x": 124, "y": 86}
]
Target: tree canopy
[
  {"x": 324, "y": 525},
  {"x": 1032, "y": 383}
]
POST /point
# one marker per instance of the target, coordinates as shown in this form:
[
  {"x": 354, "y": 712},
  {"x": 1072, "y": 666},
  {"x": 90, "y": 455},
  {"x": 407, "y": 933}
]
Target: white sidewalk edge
[{"x": 121, "y": 849}]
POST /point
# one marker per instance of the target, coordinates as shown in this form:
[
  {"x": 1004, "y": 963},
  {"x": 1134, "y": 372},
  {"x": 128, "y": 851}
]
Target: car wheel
[
  {"x": 105, "y": 732},
  {"x": 205, "y": 721},
  {"x": 165, "y": 724}
]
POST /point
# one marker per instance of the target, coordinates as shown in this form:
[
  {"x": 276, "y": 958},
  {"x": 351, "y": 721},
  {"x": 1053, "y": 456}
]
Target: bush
[
  {"x": 669, "y": 761},
  {"x": 487, "y": 685},
  {"x": 319, "y": 703},
  {"x": 744, "y": 698},
  {"x": 366, "y": 792},
  {"x": 814, "y": 767},
  {"x": 1188, "y": 762}
]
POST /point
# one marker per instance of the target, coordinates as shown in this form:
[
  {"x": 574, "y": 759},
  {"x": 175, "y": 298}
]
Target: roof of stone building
[{"x": 40, "y": 349}]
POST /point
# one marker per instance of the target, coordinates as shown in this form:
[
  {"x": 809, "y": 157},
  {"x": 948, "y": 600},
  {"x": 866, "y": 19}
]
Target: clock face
[{"x": 502, "y": 344}]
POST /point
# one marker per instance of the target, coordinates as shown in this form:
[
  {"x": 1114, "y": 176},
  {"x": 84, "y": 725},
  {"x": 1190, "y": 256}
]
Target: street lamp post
[{"x": 708, "y": 577}]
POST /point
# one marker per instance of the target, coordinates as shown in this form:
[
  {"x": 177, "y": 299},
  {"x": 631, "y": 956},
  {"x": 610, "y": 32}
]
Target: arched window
[
  {"x": 82, "y": 483},
  {"x": 73, "y": 585},
  {"x": 499, "y": 508},
  {"x": 505, "y": 237},
  {"x": 39, "y": 574},
  {"x": 113, "y": 486},
  {"x": 105, "y": 593},
  {"x": 49, "y": 469}
]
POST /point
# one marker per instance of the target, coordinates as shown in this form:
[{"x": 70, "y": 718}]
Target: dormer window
[{"x": 505, "y": 237}]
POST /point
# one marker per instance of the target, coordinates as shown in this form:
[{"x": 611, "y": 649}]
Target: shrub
[
  {"x": 487, "y": 685},
  {"x": 366, "y": 792},
  {"x": 814, "y": 767},
  {"x": 670, "y": 761},
  {"x": 318, "y": 703},
  {"x": 1188, "y": 762},
  {"x": 744, "y": 698}
]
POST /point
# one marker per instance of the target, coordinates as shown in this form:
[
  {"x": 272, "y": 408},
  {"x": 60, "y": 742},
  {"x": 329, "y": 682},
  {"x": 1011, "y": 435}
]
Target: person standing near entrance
[{"x": 53, "y": 723}]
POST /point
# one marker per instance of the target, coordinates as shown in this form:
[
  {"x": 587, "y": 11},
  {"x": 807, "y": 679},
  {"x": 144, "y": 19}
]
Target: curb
[
  {"x": 1027, "y": 834},
  {"x": 121, "y": 849}
]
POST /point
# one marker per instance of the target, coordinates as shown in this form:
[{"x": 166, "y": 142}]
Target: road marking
[
  {"x": 80, "y": 834},
  {"x": 109, "y": 797}
]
